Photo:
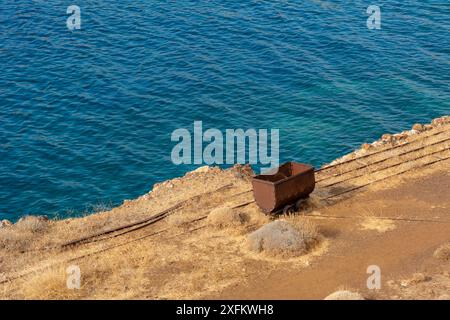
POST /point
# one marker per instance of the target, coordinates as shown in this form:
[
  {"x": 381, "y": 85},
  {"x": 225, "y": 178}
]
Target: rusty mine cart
[{"x": 283, "y": 189}]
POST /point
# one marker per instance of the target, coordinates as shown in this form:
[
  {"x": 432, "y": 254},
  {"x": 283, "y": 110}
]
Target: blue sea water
[{"x": 86, "y": 115}]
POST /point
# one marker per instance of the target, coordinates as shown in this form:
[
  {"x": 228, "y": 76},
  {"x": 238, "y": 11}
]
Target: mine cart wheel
[
  {"x": 299, "y": 204},
  {"x": 290, "y": 208}
]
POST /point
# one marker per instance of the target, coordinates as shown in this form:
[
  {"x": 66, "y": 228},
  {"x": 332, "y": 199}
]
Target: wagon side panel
[{"x": 264, "y": 194}]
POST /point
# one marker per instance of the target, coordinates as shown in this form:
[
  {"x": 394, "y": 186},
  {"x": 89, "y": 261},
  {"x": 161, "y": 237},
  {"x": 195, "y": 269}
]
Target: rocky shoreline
[{"x": 388, "y": 140}]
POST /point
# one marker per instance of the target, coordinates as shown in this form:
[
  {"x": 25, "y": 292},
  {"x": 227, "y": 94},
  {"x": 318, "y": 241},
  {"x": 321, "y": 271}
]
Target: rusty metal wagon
[{"x": 283, "y": 190}]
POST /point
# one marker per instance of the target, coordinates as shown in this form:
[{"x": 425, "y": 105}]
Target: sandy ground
[{"x": 386, "y": 204}]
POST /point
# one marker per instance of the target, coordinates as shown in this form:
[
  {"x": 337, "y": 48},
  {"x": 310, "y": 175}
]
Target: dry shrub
[
  {"x": 309, "y": 204},
  {"x": 418, "y": 278},
  {"x": 11, "y": 240},
  {"x": 49, "y": 285},
  {"x": 284, "y": 238},
  {"x": 309, "y": 232},
  {"x": 179, "y": 219},
  {"x": 443, "y": 252},
  {"x": 377, "y": 224},
  {"x": 116, "y": 274},
  {"x": 224, "y": 217},
  {"x": 22, "y": 235},
  {"x": 33, "y": 224},
  {"x": 372, "y": 219}
]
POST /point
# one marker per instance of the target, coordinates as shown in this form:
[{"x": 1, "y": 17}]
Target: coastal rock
[
  {"x": 243, "y": 171},
  {"x": 377, "y": 143},
  {"x": 344, "y": 295},
  {"x": 5, "y": 223},
  {"x": 162, "y": 186},
  {"x": 418, "y": 127},
  {"x": 127, "y": 202},
  {"x": 277, "y": 237},
  {"x": 400, "y": 136},
  {"x": 387, "y": 137},
  {"x": 202, "y": 169},
  {"x": 441, "y": 121},
  {"x": 365, "y": 146}
]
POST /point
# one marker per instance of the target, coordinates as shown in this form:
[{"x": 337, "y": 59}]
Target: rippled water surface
[{"x": 86, "y": 116}]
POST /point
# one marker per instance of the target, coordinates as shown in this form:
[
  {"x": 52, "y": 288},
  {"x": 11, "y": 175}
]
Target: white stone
[{"x": 344, "y": 295}]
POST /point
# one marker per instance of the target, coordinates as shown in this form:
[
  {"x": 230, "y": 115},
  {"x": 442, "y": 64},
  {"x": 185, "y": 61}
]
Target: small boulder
[
  {"x": 365, "y": 146},
  {"x": 202, "y": 169},
  {"x": 278, "y": 237},
  {"x": 400, "y": 136},
  {"x": 386, "y": 137},
  {"x": 243, "y": 171},
  {"x": 438, "y": 121},
  {"x": 5, "y": 223},
  {"x": 441, "y": 121},
  {"x": 344, "y": 295},
  {"x": 418, "y": 127},
  {"x": 376, "y": 144}
]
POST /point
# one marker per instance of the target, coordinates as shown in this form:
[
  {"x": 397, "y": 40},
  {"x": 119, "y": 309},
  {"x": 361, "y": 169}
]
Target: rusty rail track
[
  {"x": 382, "y": 169},
  {"x": 383, "y": 150},
  {"x": 145, "y": 222},
  {"x": 93, "y": 253},
  {"x": 381, "y": 160},
  {"x": 384, "y": 178},
  {"x": 132, "y": 226}
]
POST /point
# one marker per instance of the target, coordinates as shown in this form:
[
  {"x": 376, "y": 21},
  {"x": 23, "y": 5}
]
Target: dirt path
[{"x": 399, "y": 252}]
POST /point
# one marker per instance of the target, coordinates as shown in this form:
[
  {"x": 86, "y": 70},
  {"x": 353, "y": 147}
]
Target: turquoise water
[{"x": 86, "y": 116}]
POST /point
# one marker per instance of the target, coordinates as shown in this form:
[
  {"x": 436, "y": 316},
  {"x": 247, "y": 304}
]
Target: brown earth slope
[{"x": 387, "y": 205}]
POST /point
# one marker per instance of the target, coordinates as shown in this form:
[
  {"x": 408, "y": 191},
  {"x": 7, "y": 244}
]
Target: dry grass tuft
[
  {"x": 308, "y": 230},
  {"x": 49, "y": 285},
  {"x": 32, "y": 224},
  {"x": 373, "y": 220},
  {"x": 117, "y": 274},
  {"x": 443, "y": 252},
  {"x": 23, "y": 235},
  {"x": 377, "y": 224},
  {"x": 225, "y": 217},
  {"x": 418, "y": 278}
]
